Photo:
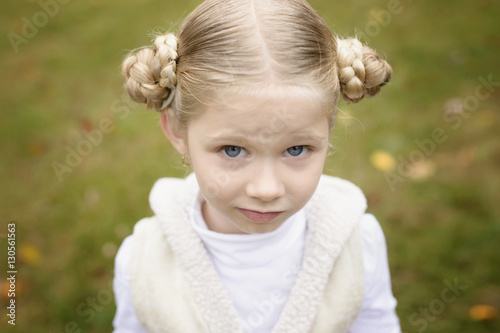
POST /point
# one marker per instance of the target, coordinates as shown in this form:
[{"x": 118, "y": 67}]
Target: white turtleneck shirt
[{"x": 259, "y": 270}]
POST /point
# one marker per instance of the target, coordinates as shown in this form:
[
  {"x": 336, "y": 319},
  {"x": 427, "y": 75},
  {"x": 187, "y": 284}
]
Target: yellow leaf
[
  {"x": 5, "y": 289},
  {"x": 483, "y": 312},
  {"x": 29, "y": 254},
  {"x": 383, "y": 161}
]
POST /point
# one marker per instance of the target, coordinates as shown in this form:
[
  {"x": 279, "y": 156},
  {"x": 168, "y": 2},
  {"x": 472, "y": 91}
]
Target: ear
[{"x": 173, "y": 134}]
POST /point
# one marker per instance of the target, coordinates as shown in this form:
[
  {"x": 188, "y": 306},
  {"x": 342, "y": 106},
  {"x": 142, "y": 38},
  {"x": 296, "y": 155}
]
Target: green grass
[{"x": 66, "y": 79}]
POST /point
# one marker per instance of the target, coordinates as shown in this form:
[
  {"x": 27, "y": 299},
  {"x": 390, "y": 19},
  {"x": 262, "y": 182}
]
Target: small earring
[{"x": 185, "y": 163}]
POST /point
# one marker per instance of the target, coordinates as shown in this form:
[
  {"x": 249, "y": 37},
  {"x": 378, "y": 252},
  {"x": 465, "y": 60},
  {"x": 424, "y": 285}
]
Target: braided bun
[
  {"x": 361, "y": 71},
  {"x": 150, "y": 74}
]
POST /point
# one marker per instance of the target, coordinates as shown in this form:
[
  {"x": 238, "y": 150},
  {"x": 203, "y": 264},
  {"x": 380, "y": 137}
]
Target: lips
[{"x": 259, "y": 217}]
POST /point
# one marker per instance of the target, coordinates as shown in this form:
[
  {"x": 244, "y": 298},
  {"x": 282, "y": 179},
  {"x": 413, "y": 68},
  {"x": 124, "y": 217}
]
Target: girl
[{"x": 256, "y": 239}]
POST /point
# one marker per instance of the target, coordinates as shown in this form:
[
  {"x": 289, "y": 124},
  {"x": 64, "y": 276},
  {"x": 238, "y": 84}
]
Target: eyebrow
[
  {"x": 307, "y": 136},
  {"x": 240, "y": 137},
  {"x": 228, "y": 137}
]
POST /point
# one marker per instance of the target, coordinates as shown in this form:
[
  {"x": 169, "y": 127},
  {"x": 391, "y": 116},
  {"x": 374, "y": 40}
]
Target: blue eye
[
  {"x": 296, "y": 151},
  {"x": 234, "y": 151}
]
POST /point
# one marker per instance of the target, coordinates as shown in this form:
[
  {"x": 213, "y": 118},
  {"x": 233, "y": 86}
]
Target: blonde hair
[{"x": 246, "y": 44}]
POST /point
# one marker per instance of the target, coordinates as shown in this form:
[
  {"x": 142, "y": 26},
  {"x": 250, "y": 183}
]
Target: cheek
[
  {"x": 215, "y": 187},
  {"x": 304, "y": 186},
  {"x": 212, "y": 191}
]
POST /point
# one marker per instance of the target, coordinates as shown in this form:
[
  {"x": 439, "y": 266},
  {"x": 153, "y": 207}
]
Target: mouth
[{"x": 259, "y": 217}]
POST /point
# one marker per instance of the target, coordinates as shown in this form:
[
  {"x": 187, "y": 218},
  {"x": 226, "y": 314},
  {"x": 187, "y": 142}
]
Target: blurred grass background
[{"x": 441, "y": 218}]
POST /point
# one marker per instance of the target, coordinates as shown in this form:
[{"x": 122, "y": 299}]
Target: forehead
[{"x": 257, "y": 112}]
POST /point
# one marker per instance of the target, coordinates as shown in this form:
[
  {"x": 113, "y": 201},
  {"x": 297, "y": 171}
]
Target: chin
[{"x": 260, "y": 228}]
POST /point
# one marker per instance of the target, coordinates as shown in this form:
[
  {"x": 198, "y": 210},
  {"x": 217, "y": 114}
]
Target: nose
[{"x": 265, "y": 183}]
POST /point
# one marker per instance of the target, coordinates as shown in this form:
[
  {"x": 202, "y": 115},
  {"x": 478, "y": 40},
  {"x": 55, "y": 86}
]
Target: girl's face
[{"x": 257, "y": 160}]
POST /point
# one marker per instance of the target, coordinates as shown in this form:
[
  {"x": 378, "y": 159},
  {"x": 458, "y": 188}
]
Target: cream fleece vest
[{"x": 176, "y": 289}]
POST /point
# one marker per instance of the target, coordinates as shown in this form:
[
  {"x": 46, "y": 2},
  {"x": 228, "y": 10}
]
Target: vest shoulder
[
  {"x": 339, "y": 184},
  {"x": 145, "y": 226},
  {"x": 339, "y": 189},
  {"x": 169, "y": 192}
]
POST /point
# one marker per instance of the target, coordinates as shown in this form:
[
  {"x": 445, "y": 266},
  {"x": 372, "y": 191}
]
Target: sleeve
[
  {"x": 378, "y": 314},
  {"x": 125, "y": 320}
]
